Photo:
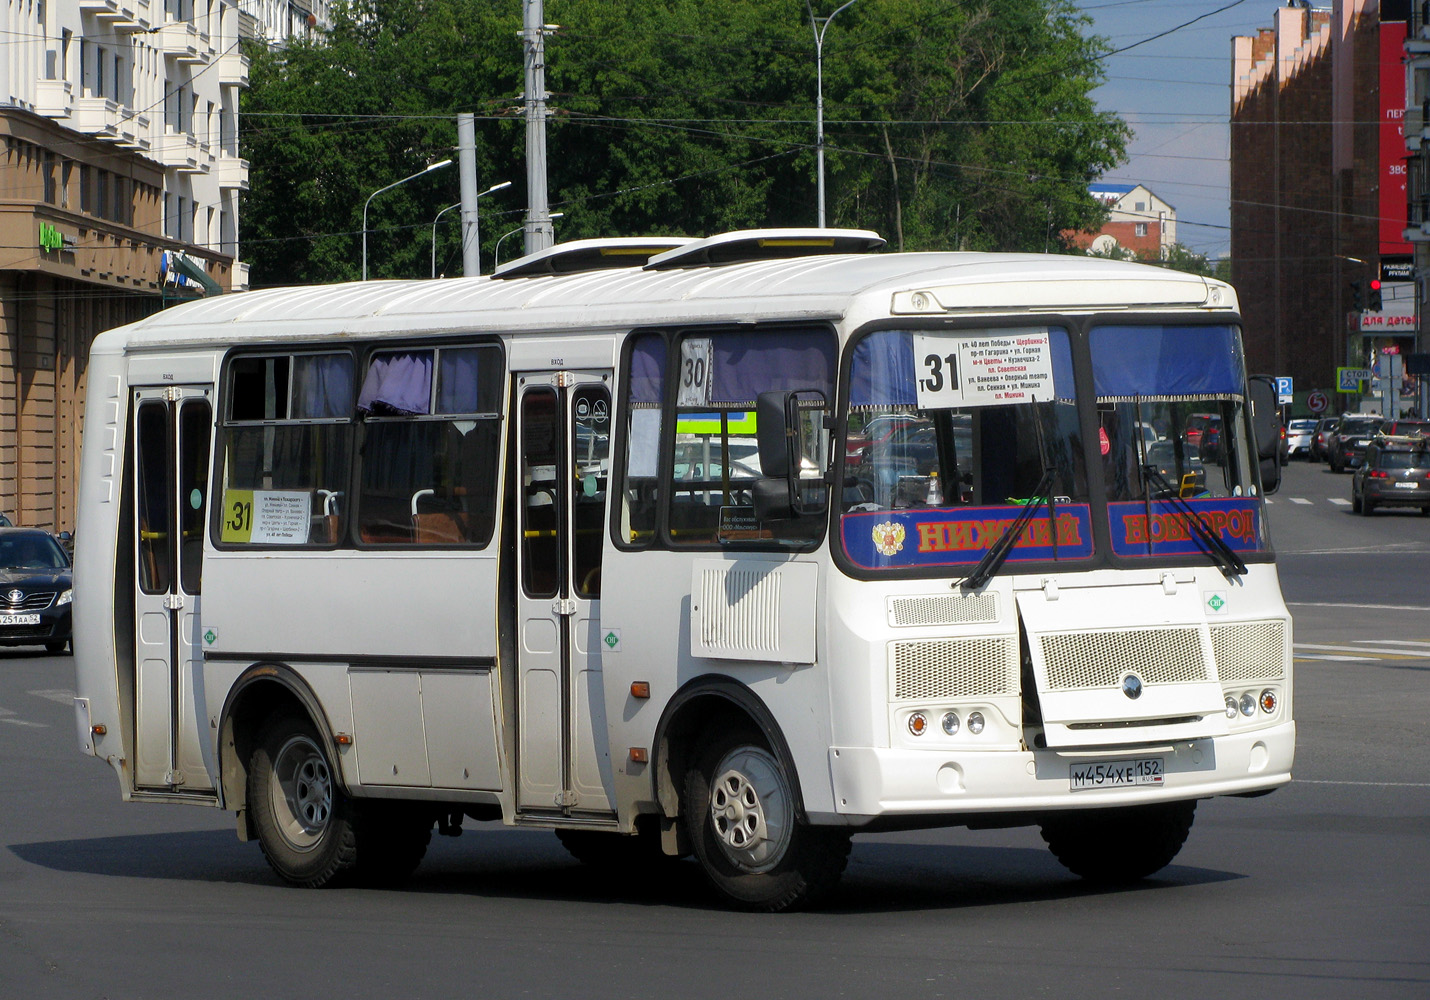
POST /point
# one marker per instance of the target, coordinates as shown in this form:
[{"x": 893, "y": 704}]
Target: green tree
[{"x": 949, "y": 124}]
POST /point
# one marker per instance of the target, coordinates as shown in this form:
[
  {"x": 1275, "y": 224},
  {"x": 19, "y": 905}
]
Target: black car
[
  {"x": 1352, "y": 437},
  {"x": 1322, "y": 437},
  {"x": 35, "y": 590},
  {"x": 1396, "y": 473}
]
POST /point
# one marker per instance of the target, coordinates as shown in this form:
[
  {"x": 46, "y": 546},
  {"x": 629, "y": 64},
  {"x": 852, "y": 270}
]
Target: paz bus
[{"x": 732, "y": 547}]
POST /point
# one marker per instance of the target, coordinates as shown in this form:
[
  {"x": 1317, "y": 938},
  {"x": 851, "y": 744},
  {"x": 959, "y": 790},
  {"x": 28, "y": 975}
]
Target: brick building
[
  {"x": 1137, "y": 221},
  {"x": 1308, "y": 173}
]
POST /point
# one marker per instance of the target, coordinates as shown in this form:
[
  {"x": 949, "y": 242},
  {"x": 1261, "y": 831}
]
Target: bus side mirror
[
  {"x": 1266, "y": 429},
  {"x": 784, "y": 431}
]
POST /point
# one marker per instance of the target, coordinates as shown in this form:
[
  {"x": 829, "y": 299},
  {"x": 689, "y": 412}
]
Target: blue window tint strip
[{"x": 1158, "y": 360}]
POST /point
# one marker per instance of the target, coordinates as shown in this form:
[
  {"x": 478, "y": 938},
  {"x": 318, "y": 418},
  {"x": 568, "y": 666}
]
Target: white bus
[{"x": 733, "y": 547}]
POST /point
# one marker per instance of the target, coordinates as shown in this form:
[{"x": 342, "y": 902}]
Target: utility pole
[
  {"x": 467, "y": 174},
  {"x": 539, "y": 234}
]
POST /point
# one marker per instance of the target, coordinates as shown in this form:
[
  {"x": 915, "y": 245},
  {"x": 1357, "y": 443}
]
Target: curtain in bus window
[
  {"x": 322, "y": 386},
  {"x": 457, "y": 382},
  {"x": 884, "y": 373},
  {"x": 647, "y": 369},
  {"x": 747, "y": 363},
  {"x": 399, "y": 384},
  {"x": 1165, "y": 361}
]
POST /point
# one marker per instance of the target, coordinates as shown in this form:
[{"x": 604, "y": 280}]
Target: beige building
[{"x": 119, "y": 186}]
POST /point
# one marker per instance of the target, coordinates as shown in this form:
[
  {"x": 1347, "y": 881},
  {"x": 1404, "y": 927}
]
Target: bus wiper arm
[
  {"x": 997, "y": 553},
  {"x": 1222, "y": 554}
]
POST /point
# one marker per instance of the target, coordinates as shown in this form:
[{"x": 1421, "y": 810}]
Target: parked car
[
  {"x": 36, "y": 590},
  {"x": 1396, "y": 473},
  {"x": 1406, "y": 425},
  {"x": 1321, "y": 438},
  {"x": 1298, "y": 437},
  {"x": 1352, "y": 437}
]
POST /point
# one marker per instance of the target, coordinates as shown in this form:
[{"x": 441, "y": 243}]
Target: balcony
[
  {"x": 179, "y": 151},
  {"x": 118, "y": 16},
  {"x": 134, "y": 131},
  {"x": 97, "y": 116},
  {"x": 233, "y": 68},
  {"x": 232, "y": 172},
  {"x": 181, "y": 42},
  {"x": 54, "y": 98}
]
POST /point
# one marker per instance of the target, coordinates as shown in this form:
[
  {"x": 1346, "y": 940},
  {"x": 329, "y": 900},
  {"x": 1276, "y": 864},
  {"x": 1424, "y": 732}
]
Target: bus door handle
[{"x": 563, "y": 606}]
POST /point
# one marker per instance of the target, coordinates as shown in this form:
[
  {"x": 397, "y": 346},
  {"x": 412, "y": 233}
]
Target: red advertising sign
[{"x": 1392, "y": 139}]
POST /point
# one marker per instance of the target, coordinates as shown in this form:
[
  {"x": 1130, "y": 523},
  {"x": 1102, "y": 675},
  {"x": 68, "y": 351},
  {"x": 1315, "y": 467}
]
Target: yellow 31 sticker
[{"x": 266, "y": 517}]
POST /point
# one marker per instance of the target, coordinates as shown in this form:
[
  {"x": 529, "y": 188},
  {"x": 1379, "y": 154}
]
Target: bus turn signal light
[
  {"x": 99, "y": 729},
  {"x": 640, "y": 689},
  {"x": 639, "y": 755}
]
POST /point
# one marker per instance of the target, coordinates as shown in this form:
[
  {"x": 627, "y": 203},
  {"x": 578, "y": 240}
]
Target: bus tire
[
  {"x": 743, "y": 822},
  {"x": 306, "y": 824},
  {"x": 1119, "y": 845},
  {"x": 392, "y": 840}
]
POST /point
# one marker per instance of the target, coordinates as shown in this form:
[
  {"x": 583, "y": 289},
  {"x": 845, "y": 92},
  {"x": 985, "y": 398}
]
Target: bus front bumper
[{"x": 871, "y": 782}]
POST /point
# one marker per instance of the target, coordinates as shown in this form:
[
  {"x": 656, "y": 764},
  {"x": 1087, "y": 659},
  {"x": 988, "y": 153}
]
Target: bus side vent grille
[
  {"x": 1250, "y": 650},
  {"x": 1080, "y": 660},
  {"x": 945, "y": 609},
  {"x": 740, "y": 609},
  {"x": 954, "y": 668}
]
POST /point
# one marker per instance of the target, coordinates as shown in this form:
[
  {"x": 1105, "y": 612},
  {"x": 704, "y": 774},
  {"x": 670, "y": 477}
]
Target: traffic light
[
  {"x": 1357, "y": 296},
  {"x": 1373, "y": 299}
]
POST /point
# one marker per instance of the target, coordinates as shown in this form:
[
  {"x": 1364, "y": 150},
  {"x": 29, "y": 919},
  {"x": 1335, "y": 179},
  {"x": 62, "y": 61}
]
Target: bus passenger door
[
  {"x": 172, "y": 432},
  {"x": 563, "y": 433}
]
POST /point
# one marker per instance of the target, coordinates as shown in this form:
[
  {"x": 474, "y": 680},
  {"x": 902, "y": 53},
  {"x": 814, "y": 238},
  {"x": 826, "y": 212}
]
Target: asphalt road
[{"x": 1318, "y": 890}]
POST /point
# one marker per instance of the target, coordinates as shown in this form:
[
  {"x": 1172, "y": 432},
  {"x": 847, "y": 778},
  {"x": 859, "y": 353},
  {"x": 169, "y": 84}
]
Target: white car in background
[{"x": 1298, "y": 437}]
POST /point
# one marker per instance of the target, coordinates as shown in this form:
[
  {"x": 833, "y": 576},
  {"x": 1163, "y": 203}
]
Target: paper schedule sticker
[
  {"x": 266, "y": 517},
  {"x": 982, "y": 370}
]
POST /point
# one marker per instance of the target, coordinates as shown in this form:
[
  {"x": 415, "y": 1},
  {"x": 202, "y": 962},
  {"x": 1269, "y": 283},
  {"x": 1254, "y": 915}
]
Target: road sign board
[
  {"x": 1317, "y": 402},
  {"x": 1283, "y": 389},
  {"x": 1349, "y": 379}
]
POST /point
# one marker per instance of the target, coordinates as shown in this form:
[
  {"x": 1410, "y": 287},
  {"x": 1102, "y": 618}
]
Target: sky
[{"x": 1175, "y": 93}]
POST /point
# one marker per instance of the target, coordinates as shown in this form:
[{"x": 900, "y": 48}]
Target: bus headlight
[
  {"x": 1231, "y": 708},
  {"x": 975, "y": 722},
  {"x": 950, "y": 722},
  {"x": 1248, "y": 704}
]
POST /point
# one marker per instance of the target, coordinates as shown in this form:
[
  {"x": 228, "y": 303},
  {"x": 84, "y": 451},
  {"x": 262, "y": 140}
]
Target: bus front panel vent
[{"x": 953, "y": 668}]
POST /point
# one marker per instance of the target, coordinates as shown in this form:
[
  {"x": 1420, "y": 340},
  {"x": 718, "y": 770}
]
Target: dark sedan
[
  {"x": 36, "y": 590},
  {"x": 1396, "y": 473}
]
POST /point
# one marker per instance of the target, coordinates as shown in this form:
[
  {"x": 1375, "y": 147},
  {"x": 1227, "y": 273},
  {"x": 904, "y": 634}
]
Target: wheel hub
[
  {"x": 751, "y": 809},
  {"x": 301, "y": 793}
]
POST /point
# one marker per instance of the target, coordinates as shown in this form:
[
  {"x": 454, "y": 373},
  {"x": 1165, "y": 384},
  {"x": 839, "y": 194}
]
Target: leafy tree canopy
[{"x": 949, "y": 124}]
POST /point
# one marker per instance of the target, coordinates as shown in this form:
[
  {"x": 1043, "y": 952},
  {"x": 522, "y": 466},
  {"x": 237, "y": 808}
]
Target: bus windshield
[{"x": 953, "y": 434}]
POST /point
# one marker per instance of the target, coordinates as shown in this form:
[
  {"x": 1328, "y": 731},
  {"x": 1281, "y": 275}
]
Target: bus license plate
[
  {"x": 19, "y": 619},
  {"x": 1116, "y": 773}
]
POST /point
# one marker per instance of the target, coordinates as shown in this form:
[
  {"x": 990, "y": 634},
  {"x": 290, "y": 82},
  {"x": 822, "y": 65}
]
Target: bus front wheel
[
  {"x": 743, "y": 822},
  {"x": 1120, "y": 845}
]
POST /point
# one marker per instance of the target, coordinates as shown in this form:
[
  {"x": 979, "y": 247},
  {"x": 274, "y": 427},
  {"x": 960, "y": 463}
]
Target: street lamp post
[
  {"x": 494, "y": 187},
  {"x": 820, "y": 25},
  {"x": 496, "y": 251},
  {"x": 425, "y": 170}
]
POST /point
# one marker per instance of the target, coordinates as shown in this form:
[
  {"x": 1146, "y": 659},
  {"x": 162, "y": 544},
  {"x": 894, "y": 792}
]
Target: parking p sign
[{"x": 1283, "y": 389}]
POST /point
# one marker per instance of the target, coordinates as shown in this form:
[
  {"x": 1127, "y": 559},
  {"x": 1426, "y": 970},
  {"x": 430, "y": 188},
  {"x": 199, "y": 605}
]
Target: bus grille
[
  {"x": 1079, "y": 660},
  {"x": 954, "y": 668},
  {"x": 1250, "y": 650},
  {"x": 944, "y": 609}
]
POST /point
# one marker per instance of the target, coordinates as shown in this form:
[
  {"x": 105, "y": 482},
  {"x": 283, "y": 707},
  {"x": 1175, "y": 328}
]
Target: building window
[
  {"x": 1141, "y": 229},
  {"x": 1140, "y": 206}
]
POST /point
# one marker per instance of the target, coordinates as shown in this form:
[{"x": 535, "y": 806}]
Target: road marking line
[
  {"x": 4, "y": 712},
  {"x": 1299, "y": 500},
  {"x": 60, "y": 696},
  {"x": 1340, "y": 501},
  {"x": 1401, "y": 642},
  {"x": 27, "y": 724},
  {"x": 1366, "y": 784},
  {"x": 1338, "y": 659},
  {"x": 1372, "y": 607},
  {"x": 1391, "y": 650}
]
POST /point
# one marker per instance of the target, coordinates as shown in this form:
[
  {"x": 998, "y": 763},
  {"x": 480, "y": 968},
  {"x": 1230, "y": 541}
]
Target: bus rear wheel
[
  {"x": 743, "y": 822},
  {"x": 305, "y": 823},
  {"x": 1120, "y": 845}
]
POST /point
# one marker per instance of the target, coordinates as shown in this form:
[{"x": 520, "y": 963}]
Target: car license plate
[
  {"x": 1116, "y": 773},
  {"x": 19, "y": 619},
  {"x": 1407, "y": 486}
]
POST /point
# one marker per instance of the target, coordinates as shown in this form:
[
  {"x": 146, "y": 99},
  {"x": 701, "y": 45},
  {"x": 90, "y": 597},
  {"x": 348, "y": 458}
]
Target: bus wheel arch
[{"x": 263, "y": 691}]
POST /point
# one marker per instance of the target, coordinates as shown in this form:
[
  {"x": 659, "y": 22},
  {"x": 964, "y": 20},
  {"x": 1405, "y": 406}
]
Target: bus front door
[
  {"x": 172, "y": 429},
  {"x": 563, "y": 433}
]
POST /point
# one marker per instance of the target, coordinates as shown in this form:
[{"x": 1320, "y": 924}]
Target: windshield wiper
[
  {"x": 1220, "y": 553},
  {"x": 998, "y": 552}
]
